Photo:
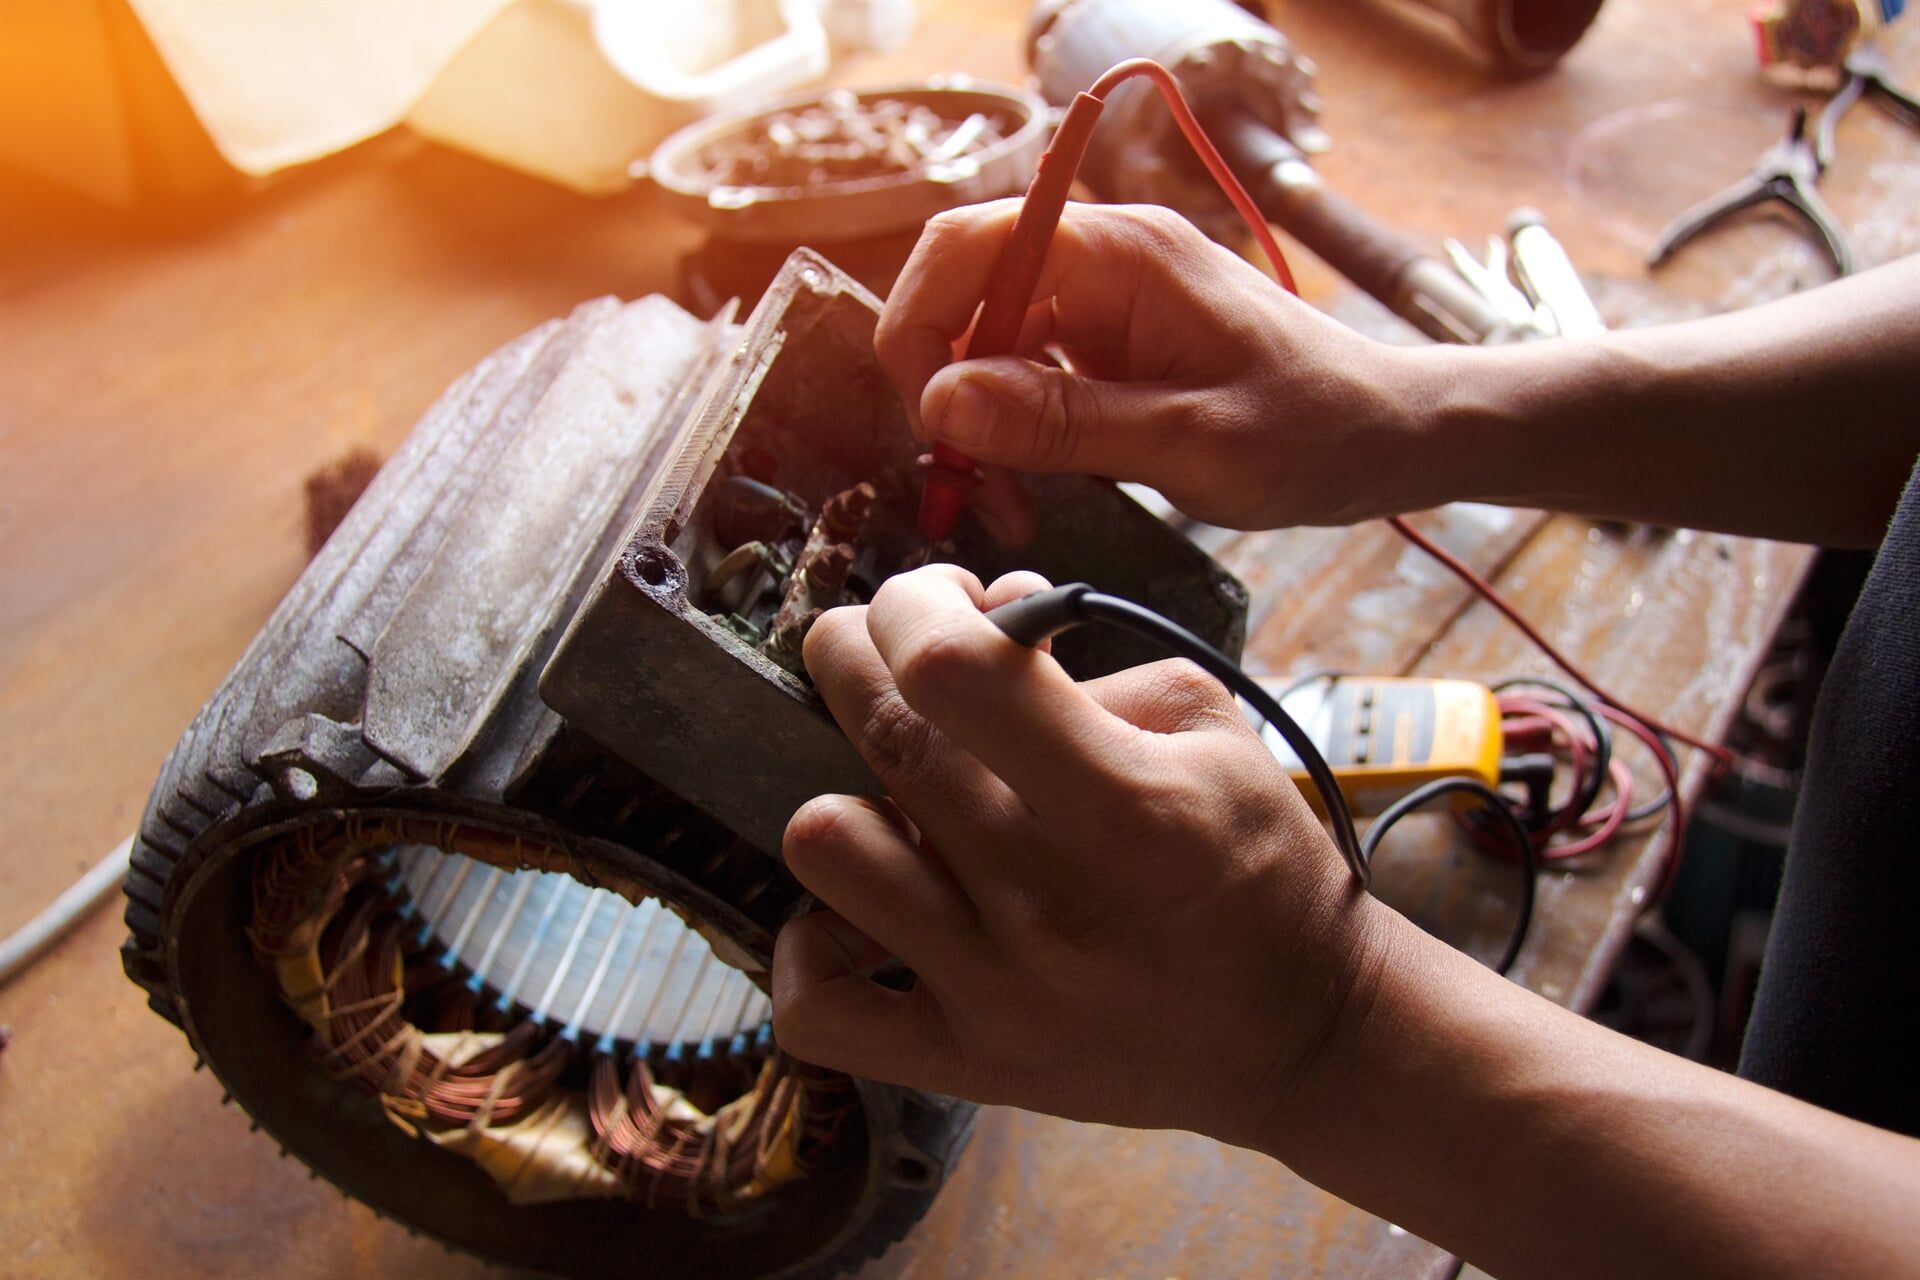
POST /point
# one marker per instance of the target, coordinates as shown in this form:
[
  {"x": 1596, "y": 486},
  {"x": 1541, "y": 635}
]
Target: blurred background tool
[
  {"x": 1254, "y": 94},
  {"x": 1214, "y": 48},
  {"x": 1495, "y": 283},
  {"x": 1414, "y": 284},
  {"x": 852, "y": 175},
  {"x": 1786, "y": 172},
  {"x": 1520, "y": 37},
  {"x": 1529, "y": 279},
  {"x": 1867, "y": 75},
  {"x": 1548, "y": 276}
]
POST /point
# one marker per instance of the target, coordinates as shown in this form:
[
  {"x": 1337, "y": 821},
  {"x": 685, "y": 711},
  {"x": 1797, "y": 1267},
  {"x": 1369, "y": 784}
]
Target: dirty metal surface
[
  {"x": 643, "y": 669},
  {"x": 589, "y": 438},
  {"x": 510, "y": 779},
  {"x": 163, "y": 394}
]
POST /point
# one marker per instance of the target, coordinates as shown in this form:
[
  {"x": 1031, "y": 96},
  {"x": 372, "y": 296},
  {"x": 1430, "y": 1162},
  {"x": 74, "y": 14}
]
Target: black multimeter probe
[{"x": 1044, "y": 614}]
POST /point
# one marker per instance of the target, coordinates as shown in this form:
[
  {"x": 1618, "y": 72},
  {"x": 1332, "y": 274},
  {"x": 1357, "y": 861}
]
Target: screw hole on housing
[{"x": 656, "y": 567}]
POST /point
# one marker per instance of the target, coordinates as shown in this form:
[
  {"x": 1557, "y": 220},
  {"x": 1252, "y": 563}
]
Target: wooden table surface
[{"x": 163, "y": 394}]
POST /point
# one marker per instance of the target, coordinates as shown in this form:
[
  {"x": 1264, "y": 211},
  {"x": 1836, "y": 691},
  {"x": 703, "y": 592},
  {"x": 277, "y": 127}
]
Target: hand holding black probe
[{"x": 1117, "y": 905}]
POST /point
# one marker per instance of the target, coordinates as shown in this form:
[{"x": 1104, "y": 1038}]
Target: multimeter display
[{"x": 1383, "y": 737}]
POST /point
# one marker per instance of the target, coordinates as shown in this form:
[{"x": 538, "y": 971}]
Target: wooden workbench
[{"x": 162, "y": 397}]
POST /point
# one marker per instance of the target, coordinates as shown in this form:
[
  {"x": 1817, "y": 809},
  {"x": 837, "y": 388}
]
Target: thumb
[{"x": 1032, "y": 417}]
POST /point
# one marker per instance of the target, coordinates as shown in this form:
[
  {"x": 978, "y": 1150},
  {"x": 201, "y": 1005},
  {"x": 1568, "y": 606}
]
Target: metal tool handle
[
  {"x": 1550, "y": 277},
  {"x": 1697, "y": 218},
  {"x": 1829, "y": 123},
  {"x": 1866, "y": 72},
  {"x": 1806, "y": 202},
  {"x": 1896, "y": 102},
  {"x": 1416, "y": 285},
  {"x": 1289, "y": 191}
]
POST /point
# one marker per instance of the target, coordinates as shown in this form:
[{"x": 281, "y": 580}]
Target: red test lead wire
[
  {"x": 1003, "y": 311},
  {"x": 952, "y": 475},
  {"x": 1722, "y": 758}
]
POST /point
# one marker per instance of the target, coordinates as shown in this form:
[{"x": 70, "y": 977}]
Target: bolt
[
  {"x": 789, "y": 632},
  {"x": 845, "y": 514},
  {"x": 827, "y": 571}
]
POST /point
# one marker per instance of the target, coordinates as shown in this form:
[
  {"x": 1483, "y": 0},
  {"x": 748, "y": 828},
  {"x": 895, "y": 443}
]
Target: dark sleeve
[{"x": 1836, "y": 1020}]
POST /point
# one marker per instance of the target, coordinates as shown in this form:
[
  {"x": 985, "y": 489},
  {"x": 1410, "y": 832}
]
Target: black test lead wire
[
  {"x": 1502, "y": 809},
  {"x": 1043, "y": 614}
]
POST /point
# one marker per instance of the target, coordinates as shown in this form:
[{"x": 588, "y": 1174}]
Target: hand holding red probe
[
  {"x": 1010, "y": 290},
  {"x": 1184, "y": 374},
  {"x": 1010, "y": 294}
]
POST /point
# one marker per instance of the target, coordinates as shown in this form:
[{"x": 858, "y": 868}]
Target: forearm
[
  {"x": 1535, "y": 1143},
  {"x": 1799, "y": 419}
]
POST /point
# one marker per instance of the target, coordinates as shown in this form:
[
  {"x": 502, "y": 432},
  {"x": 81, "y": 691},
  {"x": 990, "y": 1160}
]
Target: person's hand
[
  {"x": 1116, "y": 904},
  {"x": 1190, "y": 371}
]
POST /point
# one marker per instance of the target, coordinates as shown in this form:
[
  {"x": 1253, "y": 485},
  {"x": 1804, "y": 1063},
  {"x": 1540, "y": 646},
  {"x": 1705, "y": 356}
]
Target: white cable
[{"x": 26, "y": 943}]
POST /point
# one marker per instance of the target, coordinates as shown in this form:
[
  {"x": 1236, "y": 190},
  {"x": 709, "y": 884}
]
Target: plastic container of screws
[{"x": 843, "y": 165}]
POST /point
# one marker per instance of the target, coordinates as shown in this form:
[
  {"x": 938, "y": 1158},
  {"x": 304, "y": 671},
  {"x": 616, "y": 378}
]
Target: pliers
[
  {"x": 1785, "y": 172},
  {"x": 1866, "y": 72}
]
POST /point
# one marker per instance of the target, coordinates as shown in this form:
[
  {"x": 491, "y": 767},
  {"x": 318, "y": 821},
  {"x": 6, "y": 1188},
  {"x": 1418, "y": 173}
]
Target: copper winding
[{"x": 335, "y": 944}]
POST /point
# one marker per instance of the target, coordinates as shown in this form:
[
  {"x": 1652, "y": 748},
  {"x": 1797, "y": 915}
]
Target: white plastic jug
[{"x": 579, "y": 91}]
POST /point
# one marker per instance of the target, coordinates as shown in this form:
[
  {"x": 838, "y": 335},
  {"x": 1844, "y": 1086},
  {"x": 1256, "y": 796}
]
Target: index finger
[
  {"x": 933, "y": 301},
  {"x": 1012, "y": 708},
  {"x": 939, "y": 290}
]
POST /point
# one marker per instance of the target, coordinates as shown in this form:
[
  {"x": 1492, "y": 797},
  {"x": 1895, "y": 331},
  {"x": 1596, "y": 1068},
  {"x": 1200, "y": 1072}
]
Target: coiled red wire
[{"x": 1574, "y": 827}]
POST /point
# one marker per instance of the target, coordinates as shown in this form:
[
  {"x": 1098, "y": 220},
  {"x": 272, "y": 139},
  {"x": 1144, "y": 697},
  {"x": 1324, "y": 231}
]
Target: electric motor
[{"x": 499, "y": 968}]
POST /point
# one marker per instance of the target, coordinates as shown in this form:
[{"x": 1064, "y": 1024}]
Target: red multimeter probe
[{"x": 951, "y": 475}]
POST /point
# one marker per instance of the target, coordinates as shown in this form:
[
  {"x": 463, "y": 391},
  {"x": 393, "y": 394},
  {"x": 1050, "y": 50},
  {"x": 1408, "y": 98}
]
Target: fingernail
[{"x": 969, "y": 415}]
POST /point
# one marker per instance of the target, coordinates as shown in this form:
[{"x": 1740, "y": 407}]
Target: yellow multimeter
[{"x": 1385, "y": 736}]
